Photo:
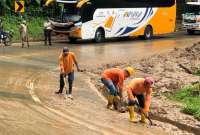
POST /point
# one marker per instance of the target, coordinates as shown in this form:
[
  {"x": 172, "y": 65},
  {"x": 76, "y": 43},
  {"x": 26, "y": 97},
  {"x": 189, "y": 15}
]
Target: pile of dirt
[{"x": 171, "y": 71}]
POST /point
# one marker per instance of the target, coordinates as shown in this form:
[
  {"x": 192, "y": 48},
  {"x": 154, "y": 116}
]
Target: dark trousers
[
  {"x": 47, "y": 36},
  {"x": 140, "y": 98},
  {"x": 70, "y": 82}
]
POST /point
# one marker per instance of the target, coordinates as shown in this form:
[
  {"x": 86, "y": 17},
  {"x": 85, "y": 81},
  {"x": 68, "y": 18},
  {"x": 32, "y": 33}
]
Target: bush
[
  {"x": 197, "y": 73},
  {"x": 190, "y": 97},
  {"x": 35, "y": 26}
]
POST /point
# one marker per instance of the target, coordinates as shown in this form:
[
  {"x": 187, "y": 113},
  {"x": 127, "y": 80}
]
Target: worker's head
[
  {"x": 65, "y": 51},
  {"x": 129, "y": 71},
  {"x": 148, "y": 82}
]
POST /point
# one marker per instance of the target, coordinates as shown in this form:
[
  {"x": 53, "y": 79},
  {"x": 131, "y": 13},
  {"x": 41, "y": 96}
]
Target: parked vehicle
[
  {"x": 6, "y": 37},
  {"x": 101, "y": 19},
  {"x": 191, "y": 17}
]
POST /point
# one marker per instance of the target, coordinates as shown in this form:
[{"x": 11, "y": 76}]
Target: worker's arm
[
  {"x": 131, "y": 97},
  {"x": 120, "y": 85},
  {"x": 147, "y": 100},
  {"x": 20, "y": 29},
  {"x": 61, "y": 64},
  {"x": 130, "y": 94},
  {"x": 76, "y": 63}
]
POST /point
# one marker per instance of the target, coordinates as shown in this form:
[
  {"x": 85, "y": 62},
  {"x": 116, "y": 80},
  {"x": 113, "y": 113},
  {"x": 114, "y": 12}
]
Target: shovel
[{"x": 147, "y": 116}]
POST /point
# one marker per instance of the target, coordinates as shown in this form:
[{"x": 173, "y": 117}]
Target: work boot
[
  {"x": 70, "y": 96},
  {"x": 143, "y": 118},
  {"x": 116, "y": 102},
  {"x": 110, "y": 102},
  {"x": 58, "y": 92},
  {"x": 132, "y": 113}
]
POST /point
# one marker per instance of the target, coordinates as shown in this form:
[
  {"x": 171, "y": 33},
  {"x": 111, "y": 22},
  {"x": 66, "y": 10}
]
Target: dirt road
[{"x": 29, "y": 78}]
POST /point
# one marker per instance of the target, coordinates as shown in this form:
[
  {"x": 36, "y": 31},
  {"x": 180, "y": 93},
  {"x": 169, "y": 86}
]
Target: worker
[
  {"x": 139, "y": 91},
  {"x": 67, "y": 60},
  {"x": 24, "y": 33},
  {"x": 113, "y": 80},
  {"x": 47, "y": 32}
]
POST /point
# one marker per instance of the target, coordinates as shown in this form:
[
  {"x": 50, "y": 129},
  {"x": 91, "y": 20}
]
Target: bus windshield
[
  {"x": 66, "y": 12},
  {"x": 192, "y": 9}
]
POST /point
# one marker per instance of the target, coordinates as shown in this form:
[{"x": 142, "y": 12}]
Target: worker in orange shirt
[
  {"x": 139, "y": 91},
  {"x": 67, "y": 60},
  {"x": 113, "y": 80}
]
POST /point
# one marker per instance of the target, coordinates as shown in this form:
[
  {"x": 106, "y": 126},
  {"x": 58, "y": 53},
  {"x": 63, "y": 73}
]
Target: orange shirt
[
  {"x": 136, "y": 86},
  {"x": 67, "y": 62},
  {"x": 116, "y": 75}
]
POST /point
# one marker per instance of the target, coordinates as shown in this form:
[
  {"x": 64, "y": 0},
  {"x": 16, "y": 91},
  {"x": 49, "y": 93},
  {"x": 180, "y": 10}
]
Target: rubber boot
[
  {"x": 143, "y": 118},
  {"x": 116, "y": 101},
  {"x": 132, "y": 113},
  {"x": 110, "y": 101}
]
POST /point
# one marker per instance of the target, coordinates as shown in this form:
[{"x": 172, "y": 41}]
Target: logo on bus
[{"x": 132, "y": 14}]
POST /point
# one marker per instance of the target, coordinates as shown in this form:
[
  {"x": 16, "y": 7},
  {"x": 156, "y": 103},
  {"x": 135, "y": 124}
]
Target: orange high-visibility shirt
[
  {"x": 67, "y": 62},
  {"x": 116, "y": 75},
  {"x": 136, "y": 86}
]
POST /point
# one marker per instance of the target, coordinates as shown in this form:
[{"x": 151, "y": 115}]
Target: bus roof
[
  {"x": 67, "y": 1},
  {"x": 194, "y": 3}
]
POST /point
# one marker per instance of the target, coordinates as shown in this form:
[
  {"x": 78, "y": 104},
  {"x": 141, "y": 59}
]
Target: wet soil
[
  {"x": 171, "y": 71},
  {"x": 29, "y": 78}
]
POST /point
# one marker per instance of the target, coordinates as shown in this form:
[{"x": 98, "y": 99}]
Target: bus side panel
[
  {"x": 163, "y": 22},
  {"x": 123, "y": 21},
  {"x": 88, "y": 30},
  {"x": 116, "y": 24}
]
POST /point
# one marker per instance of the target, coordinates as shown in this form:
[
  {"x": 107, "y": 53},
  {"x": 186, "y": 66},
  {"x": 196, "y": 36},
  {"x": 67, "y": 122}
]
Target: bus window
[
  {"x": 193, "y": 9},
  {"x": 133, "y": 3},
  {"x": 87, "y": 12}
]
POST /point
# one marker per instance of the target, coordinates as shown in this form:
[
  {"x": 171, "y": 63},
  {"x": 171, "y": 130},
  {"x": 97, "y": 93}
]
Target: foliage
[
  {"x": 35, "y": 26},
  {"x": 190, "y": 97},
  {"x": 197, "y": 73}
]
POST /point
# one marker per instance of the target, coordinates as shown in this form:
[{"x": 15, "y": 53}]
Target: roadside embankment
[{"x": 171, "y": 71}]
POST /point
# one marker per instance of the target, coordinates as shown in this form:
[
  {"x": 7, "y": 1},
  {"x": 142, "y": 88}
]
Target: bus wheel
[
  {"x": 100, "y": 35},
  {"x": 72, "y": 40},
  {"x": 148, "y": 32},
  {"x": 190, "y": 32}
]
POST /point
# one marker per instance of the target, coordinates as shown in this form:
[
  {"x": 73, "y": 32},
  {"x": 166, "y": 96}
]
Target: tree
[{"x": 6, "y": 5}]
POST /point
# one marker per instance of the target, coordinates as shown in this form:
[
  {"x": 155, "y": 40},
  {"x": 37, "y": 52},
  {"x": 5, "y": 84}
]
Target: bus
[{"x": 102, "y": 19}]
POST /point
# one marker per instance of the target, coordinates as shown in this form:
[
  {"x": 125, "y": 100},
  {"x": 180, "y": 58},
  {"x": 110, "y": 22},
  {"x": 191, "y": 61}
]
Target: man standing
[
  {"x": 24, "y": 33},
  {"x": 113, "y": 79},
  {"x": 139, "y": 91},
  {"x": 67, "y": 60},
  {"x": 47, "y": 32}
]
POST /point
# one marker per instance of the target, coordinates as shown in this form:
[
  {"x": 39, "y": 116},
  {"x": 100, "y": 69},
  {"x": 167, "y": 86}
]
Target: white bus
[{"x": 101, "y": 19}]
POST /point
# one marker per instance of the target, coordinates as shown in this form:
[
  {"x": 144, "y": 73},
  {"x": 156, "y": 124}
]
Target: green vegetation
[
  {"x": 34, "y": 15},
  {"x": 35, "y": 26},
  {"x": 190, "y": 97},
  {"x": 198, "y": 72}
]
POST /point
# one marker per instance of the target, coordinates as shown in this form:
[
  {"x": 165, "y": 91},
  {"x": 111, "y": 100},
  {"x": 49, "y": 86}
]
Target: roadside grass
[
  {"x": 189, "y": 96},
  {"x": 35, "y": 26},
  {"x": 197, "y": 72}
]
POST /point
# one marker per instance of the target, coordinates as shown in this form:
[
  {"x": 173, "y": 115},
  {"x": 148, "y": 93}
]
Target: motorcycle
[{"x": 6, "y": 37}]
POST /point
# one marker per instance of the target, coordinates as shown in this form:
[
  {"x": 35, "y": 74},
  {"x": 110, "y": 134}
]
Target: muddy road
[{"x": 29, "y": 78}]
